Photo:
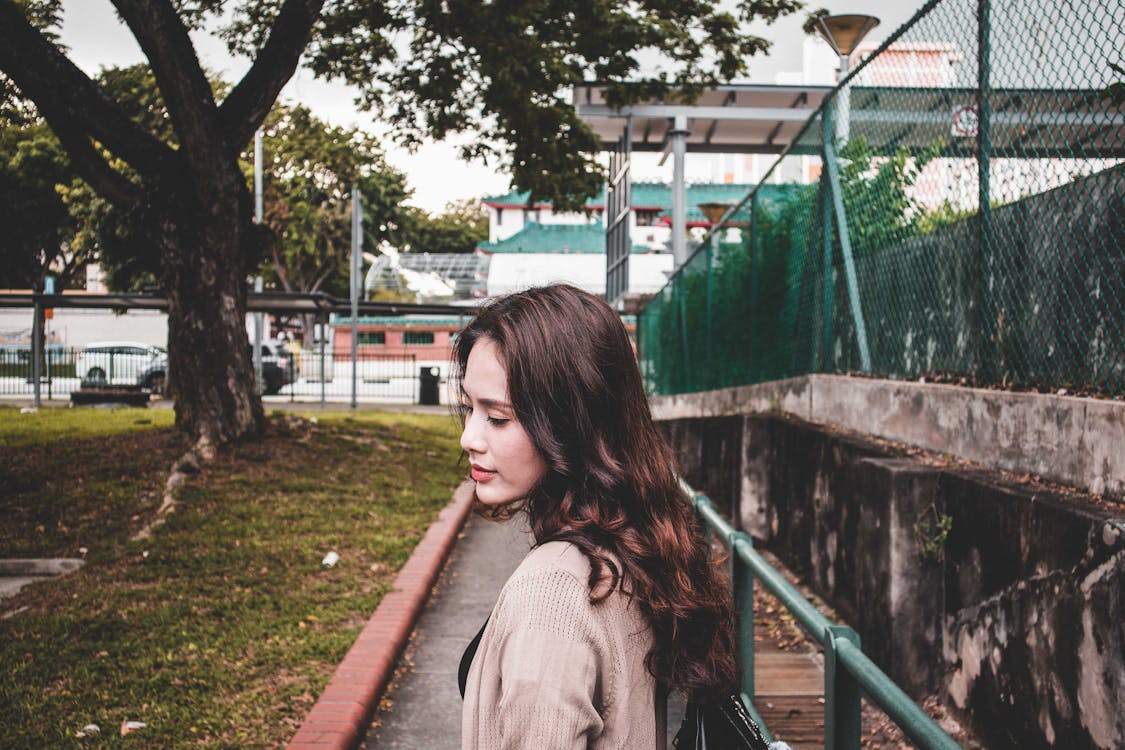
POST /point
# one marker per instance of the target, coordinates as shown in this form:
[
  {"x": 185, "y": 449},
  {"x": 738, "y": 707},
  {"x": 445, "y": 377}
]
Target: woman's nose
[{"x": 472, "y": 436}]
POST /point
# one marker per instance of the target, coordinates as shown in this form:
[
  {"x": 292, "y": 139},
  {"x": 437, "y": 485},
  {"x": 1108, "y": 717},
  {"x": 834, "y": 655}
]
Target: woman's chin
[{"x": 489, "y": 495}]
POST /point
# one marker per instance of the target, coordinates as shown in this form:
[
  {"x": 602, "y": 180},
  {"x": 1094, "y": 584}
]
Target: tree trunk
[{"x": 204, "y": 237}]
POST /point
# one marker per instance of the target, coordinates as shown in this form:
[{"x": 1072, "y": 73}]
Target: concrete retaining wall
[
  {"x": 1074, "y": 441},
  {"x": 1013, "y": 612}
]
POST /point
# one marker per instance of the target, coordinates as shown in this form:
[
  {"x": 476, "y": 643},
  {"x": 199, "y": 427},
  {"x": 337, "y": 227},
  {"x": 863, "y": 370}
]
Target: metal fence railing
[
  {"x": 848, "y": 671},
  {"x": 389, "y": 378},
  {"x": 320, "y": 373},
  {"x": 955, "y": 209}
]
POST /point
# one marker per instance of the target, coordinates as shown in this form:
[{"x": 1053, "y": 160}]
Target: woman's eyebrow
[
  {"x": 494, "y": 403},
  {"x": 488, "y": 403}
]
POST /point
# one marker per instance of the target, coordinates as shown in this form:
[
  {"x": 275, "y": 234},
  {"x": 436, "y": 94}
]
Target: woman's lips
[{"x": 481, "y": 474}]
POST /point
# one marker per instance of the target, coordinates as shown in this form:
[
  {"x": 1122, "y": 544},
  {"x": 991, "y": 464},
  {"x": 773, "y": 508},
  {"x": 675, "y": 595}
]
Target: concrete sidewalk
[{"x": 422, "y": 708}]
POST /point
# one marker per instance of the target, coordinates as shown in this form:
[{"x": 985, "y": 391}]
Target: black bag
[{"x": 723, "y": 726}]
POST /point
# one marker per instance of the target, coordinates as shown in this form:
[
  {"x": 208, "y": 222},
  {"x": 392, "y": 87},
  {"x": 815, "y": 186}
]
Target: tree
[
  {"x": 310, "y": 168},
  {"x": 499, "y": 68},
  {"x": 35, "y": 176},
  {"x": 458, "y": 229}
]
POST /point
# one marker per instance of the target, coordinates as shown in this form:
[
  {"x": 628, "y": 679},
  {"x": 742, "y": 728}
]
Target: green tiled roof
[
  {"x": 407, "y": 320},
  {"x": 554, "y": 238},
  {"x": 659, "y": 195}
]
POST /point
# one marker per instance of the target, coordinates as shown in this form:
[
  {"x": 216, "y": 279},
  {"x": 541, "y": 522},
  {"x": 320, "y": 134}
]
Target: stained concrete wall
[
  {"x": 1015, "y": 616},
  {"x": 1074, "y": 441}
]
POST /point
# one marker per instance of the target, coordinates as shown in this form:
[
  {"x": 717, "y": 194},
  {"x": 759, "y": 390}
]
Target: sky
[{"x": 435, "y": 172}]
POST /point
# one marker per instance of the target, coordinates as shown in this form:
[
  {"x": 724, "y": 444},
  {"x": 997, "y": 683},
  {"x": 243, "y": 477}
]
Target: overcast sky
[{"x": 97, "y": 39}]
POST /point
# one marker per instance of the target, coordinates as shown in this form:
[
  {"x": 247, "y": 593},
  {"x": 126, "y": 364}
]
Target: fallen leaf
[{"x": 131, "y": 726}]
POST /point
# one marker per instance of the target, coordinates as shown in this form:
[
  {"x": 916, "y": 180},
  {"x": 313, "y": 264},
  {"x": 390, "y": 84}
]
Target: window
[
  {"x": 647, "y": 217},
  {"x": 417, "y": 337},
  {"x": 372, "y": 337}
]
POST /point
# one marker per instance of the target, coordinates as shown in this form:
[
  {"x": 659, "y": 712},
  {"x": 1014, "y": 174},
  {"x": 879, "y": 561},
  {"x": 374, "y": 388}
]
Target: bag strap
[{"x": 661, "y": 712}]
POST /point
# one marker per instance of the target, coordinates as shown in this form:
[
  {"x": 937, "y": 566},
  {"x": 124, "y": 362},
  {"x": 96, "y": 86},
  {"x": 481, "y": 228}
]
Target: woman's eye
[{"x": 497, "y": 421}]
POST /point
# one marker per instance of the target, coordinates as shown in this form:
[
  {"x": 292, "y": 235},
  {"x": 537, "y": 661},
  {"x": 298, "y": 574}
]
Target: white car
[{"x": 122, "y": 363}]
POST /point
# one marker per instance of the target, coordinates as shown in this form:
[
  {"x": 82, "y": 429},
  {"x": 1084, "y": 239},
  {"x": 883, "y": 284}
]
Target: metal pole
[
  {"x": 258, "y": 176},
  {"x": 357, "y": 248},
  {"x": 843, "y": 126},
  {"x": 984, "y": 202},
  {"x": 826, "y": 226},
  {"x": 626, "y": 207},
  {"x": 685, "y": 356},
  {"x": 258, "y": 339},
  {"x": 742, "y": 580},
  {"x": 258, "y": 279},
  {"x": 828, "y": 298},
  {"x": 679, "y": 134},
  {"x": 841, "y": 694},
  {"x": 712, "y": 249},
  {"x": 753, "y": 280},
  {"x": 846, "y": 248},
  {"x": 323, "y": 319},
  {"x": 37, "y": 346}
]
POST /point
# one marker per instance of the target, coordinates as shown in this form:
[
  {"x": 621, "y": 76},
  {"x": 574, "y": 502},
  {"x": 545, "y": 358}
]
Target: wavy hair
[{"x": 610, "y": 487}]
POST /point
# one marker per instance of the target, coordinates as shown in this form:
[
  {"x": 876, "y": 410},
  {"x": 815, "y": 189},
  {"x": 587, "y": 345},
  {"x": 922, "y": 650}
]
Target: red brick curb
[{"x": 340, "y": 716}]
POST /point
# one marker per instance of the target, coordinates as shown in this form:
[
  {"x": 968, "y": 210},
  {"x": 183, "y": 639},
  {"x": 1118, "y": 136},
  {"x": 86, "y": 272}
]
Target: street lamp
[
  {"x": 843, "y": 34},
  {"x": 714, "y": 211}
]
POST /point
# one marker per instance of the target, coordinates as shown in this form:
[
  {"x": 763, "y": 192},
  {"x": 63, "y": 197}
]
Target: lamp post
[
  {"x": 714, "y": 212},
  {"x": 258, "y": 321},
  {"x": 843, "y": 34},
  {"x": 678, "y": 136}
]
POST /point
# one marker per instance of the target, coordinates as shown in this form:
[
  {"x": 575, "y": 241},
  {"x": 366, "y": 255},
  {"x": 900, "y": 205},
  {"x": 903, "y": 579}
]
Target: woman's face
[{"x": 506, "y": 465}]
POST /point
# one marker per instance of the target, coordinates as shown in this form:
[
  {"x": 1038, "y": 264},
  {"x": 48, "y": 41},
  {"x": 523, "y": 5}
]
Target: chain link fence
[{"x": 955, "y": 210}]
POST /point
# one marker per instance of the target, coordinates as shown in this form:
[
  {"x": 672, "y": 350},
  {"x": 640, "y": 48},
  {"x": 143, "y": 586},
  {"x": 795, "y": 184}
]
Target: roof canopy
[
  {"x": 735, "y": 118},
  {"x": 1027, "y": 123}
]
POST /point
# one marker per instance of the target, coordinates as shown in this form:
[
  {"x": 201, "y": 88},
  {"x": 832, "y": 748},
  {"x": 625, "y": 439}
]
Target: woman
[{"x": 617, "y": 602}]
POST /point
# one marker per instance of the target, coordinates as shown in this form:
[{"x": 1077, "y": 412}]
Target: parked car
[
  {"x": 122, "y": 363},
  {"x": 277, "y": 367}
]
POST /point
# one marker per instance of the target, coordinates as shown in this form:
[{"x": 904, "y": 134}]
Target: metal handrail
[{"x": 847, "y": 669}]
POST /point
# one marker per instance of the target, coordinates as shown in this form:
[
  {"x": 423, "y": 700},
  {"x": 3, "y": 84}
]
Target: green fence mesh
[{"x": 955, "y": 210}]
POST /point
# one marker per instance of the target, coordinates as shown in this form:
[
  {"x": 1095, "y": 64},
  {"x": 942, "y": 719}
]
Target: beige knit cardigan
[{"x": 555, "y": 672}]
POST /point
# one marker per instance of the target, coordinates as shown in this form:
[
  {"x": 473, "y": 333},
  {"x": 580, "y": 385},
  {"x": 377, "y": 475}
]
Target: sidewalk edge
[{"x": 339, "y": 718}]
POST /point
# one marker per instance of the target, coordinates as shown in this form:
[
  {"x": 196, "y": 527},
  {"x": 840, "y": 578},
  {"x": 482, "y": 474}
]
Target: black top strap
[{"x": 467, "y": 659}]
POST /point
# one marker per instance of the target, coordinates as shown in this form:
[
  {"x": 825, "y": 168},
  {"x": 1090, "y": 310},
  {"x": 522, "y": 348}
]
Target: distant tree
[
  {"x": 310, "y": 168},
  {"x": 35, "y": 179},
  {"x": 458, "y": 229},
  {"x": 501, "y": 69},
  {"x": 812, "y": 20}
]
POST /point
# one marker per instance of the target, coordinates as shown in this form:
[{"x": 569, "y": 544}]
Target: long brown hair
[{"x": 610, "y": 487}]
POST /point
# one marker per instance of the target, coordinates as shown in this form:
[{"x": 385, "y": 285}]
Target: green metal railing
[
  {"x": 848, "y": 672},
  {"x": 955, "y": 209}
]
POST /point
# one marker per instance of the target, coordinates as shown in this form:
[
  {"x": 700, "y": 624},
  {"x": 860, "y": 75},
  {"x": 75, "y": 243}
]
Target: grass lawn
[{"x": 222, "y": 628}]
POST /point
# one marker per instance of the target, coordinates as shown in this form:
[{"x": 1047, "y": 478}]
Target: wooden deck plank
[
  {"x": 787, "y": 674},
  {"x": 799, "y": 720},
  {"x": 789, "y": 696}
]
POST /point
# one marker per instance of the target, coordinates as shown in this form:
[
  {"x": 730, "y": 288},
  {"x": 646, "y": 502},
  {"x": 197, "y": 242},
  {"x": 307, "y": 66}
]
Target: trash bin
[{"x": 428, "y": 379}]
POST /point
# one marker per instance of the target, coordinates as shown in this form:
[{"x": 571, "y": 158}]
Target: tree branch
[
  {"x": 247, "y": 105},
  {"x": 279, "y": 269},
  {"x": 329, "y": 269},
  {"x": 191, "y": 103},
  {"x": 94, "y": 169},
  {"x": 68, "y": 99}
]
